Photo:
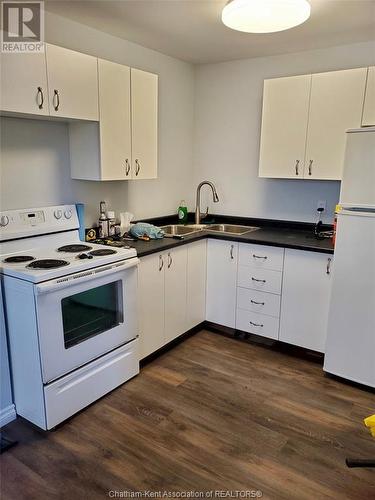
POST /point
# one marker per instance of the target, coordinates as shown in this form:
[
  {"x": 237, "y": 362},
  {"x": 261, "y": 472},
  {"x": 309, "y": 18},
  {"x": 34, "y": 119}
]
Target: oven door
[{"x": 85, "y": 315}]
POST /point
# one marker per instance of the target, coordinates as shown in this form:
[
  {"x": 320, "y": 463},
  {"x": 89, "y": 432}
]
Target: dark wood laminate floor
[{"x": 211, "y": 414}]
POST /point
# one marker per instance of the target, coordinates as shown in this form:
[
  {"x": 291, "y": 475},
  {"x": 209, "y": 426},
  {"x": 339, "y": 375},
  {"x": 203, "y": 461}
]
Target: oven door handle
[{"x": 84, "y": 276}]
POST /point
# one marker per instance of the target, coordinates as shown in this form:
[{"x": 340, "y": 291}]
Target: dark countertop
[{"x": 298, "y": 236}]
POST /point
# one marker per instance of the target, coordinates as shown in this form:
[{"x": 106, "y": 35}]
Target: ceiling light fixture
[{"x": 265, "y": 16}]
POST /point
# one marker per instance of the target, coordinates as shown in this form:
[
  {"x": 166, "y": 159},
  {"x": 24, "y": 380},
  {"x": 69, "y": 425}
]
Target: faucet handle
[{"x": 204, "y": 215}]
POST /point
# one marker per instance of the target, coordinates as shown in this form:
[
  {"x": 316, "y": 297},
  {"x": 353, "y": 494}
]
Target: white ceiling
[{"x": 192, "y": 29}]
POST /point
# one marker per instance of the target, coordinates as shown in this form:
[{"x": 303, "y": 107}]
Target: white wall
[
  {"x": 35, "y": 154},
  {"x": 228, "y": 100}
]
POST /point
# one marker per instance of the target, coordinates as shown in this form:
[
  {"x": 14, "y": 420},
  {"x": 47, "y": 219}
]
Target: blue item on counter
[
  {"x": 80, "y": 207},
  {"x": 144, "y": 229}
]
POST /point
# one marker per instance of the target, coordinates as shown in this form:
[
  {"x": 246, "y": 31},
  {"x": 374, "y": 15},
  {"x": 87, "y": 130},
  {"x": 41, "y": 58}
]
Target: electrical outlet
[{"x": 322, "y": 205}]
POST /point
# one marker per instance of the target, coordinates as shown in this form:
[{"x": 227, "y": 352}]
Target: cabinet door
[
  {"x": 144, "y": 106},
  {"x": 114, "y": 111},
  {"x": 196, "y": 283},
  {"x": 284, "y": 125},
  {"x": 368, "y": 117},
  {"x": 175, "y": 292},
  {"x": 335, "y": 106},
  {"x": 222, "y": 259},
  {"x": 305, "y": 299},
  {"x": 72, "y": 84},
  {"x": 151, "y": 303},
  {"x": 24, "y": 84}
]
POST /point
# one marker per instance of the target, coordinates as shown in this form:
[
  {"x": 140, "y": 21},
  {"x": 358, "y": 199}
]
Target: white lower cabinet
[
  {"x": 305, "y": 299},
  {"x": 151, "y": 303},
  {"x": 196, "y": 283},
  {"x": 172, "y": 292},
  {"x": 288, "y": 300},
  {"x": 175, "y": 269},
  {"x": 222, "y": 257},
  {"x": 259, "y": 280},
  {"x": 260, "y": 324}
]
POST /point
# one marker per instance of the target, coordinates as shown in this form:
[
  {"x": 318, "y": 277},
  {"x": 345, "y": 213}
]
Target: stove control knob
[
  {"x": 4, "y": 220},
  {"x": 57, "y": 214},
  {"x": 68, "y": 214}
]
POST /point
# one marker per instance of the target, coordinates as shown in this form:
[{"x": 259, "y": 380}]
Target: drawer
[
  {"x": 71, "y": 393},
  {"x": 260, "y": 324},
  {"x": 261, "y": 256},
  {"x": 263, "y": 280},
  {"x": 258, "y": 302}
]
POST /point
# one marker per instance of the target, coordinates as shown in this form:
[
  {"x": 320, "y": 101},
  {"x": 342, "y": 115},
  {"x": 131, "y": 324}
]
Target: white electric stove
[{"x": 71, "y": 313}]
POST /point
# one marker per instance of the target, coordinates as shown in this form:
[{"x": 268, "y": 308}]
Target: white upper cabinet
[
  {"x": 24, "y": 84},
  {"x": 123, "y": 145},
  {"x": 284, "y": 125},
  {"x": 305, "y": 299},
  {"x": 73, "y": 84},
  {"x": 368, "y": 117},
  {"x": 304, "y": 122},
  {"x": 335, "y": 106},
  {"x": 144, "y": 110},
  {"x": 114, "y": 114}
]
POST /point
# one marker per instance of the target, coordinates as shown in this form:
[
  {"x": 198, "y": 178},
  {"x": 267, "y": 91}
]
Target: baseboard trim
[{"x": 7, "y": 414}]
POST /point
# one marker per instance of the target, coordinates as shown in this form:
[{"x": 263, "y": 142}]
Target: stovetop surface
[{"x": 41, "y": 267}]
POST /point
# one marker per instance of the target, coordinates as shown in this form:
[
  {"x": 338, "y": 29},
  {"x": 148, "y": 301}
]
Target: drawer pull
[
  {"x": 256, "y": 324},
  {"x": 259, "y": 281},
  {"x": 259, "y": 257},
  {"x": 328, "y": 269},
  {"x": 257, "y": 303}
]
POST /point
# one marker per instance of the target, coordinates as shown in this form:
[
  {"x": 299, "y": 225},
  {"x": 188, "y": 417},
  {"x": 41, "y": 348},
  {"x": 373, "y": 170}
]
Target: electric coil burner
[
  {"x": 16, "y": 259},
  {"x": 102, "y": 252},
  {"x": 47, "y": 264},
  {"x": 74, "y": 248}
]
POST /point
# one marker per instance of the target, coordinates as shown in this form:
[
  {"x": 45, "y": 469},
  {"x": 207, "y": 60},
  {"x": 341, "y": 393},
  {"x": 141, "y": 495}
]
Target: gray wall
[{"x": 228, "y": 100}]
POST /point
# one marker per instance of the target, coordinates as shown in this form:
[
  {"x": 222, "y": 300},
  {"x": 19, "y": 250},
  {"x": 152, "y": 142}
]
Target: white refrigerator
[{"x": 350, "y": 347}]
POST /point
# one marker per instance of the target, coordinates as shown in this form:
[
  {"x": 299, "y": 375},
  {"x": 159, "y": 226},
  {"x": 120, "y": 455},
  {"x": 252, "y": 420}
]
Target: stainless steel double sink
[{"x": 179, "y": 230}]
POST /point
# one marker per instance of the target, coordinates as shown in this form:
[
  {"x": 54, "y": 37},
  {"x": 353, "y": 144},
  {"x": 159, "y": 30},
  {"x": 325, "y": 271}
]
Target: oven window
[{"x": 91, "y": 312}]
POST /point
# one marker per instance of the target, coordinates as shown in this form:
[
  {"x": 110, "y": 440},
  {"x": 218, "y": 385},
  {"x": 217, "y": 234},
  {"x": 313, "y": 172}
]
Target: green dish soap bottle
[{"x": 182, "y": 212}]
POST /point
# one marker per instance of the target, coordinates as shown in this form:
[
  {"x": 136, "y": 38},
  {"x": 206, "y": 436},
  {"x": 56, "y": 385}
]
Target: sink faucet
[{"x": 198, "y": 215}]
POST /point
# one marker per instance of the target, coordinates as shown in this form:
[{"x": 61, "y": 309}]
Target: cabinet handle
[
  {"x": 256, "y": 324},
  {"x": 259, "y": 281},
  {"x": 310, "y": 166},
  {"x": 137, "y": 167},
  {"x": 231, "y": 252},
  {"x": 57, "y": 96},
  {"x": 259, "y": 257},
  {"x": 257, "y": 303},
  {"x": 41, "y": 96},
  {"x": 161, "y": 262},
  {"x": 328, "y": 268},
  {"x": 169, "y": 260},
  {"x": 127, "y": 167},
  {"x": 296, "y": 167}
]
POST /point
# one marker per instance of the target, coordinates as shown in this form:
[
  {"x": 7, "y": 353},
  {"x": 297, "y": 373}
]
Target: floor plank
[{"x": 210, "y": 414}]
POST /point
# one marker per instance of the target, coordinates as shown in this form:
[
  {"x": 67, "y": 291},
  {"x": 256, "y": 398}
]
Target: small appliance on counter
[
  {"x": 350, "y": 348},
  {"x": 70, "y": 311}
]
